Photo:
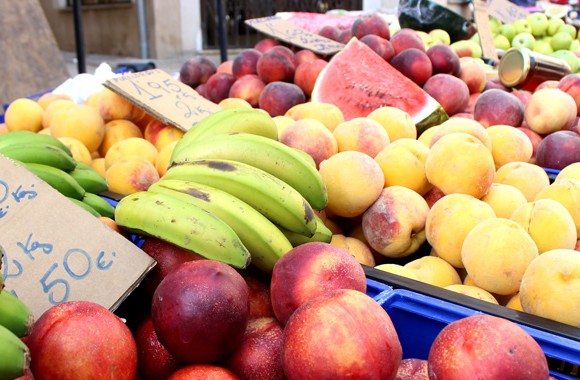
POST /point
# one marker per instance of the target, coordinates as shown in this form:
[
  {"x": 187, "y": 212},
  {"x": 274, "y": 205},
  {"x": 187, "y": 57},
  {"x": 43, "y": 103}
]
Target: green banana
[
  {"x": 183, "y": 224},
  {"x": 262, "y": 238},
  {"x": 322, "y": 234},
  {"x": 230, "y": 120},
  {"x": 89, "y": 179},
  {"x": 15, "y": 315},
  {"x": 19, "y": 137},
  {"x": 82, "y": 204},
  {"x": 58, "y": 179},
  {"x": 272, "y": 197},
  {"x": 101, "y": 206},
  {"x": 267, "y": 154},
  {"x": 39, "y": 153},
  {"x": 14, "y": 355}
]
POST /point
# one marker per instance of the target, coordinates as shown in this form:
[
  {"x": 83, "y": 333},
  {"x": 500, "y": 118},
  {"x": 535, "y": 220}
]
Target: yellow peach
[
  {"x": 81, "y": 122},
  {"x": 460, "y": 163},
  {"x": 398, "y": 269},
  {"x": 113, "y": 106},
  {"x": 567, "y": 193},
  {"x": 496, "y": 254},
  {"x": 353, "y": 181},
  {"x": 395, "y": 121},
  {"x": 434, "y": 271},
  {"x": 131, "y": 174},
  {"x": 504, "y": 199},
  {"x": 548, "y": 223},
  {"x": 514, "y": 302},
  {"x": 527, "y": 177},
  {"x": 473, "y": 291},
  {"x": 461, "y": 124},
  {"x": 403, "y": 164},
  {"x": 550, "y": 286},
  {"x": 23, "y": 114},
  {"x": 312, "y": 137},
  {"x": 132, "y": 146},
  {"x": 282, "y": 122},
  {"x": 78, "y": 150},
  {"x": 234, "y": 103},
  {"x": 449, "y": 221},
  {"x": 425, "y": 137},
  {"x": 99, "y": 165},
  {"x": 362, "y": 135},
  {"x": 117, "y": 130},
  {"x": 164, "y": 157},
  {"x": 509, "y": 144},
  {"x": 328, "y": 114},
  {"x": 571, "y": 171},
  {"x": 357, "y": 248},
  {"x": 47, "y": 98},
  {"x": 51, "y": 109}
]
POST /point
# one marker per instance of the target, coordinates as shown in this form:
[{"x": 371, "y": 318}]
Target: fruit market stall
[{"x": 316, "y": 207}]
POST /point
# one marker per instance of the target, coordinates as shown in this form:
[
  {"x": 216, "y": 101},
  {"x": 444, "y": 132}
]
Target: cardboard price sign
[
  {"x": 169, "y": 100},
  {"x": 286, "y": 31},
  {"x": 484, "y": 30},
  {"x": 506, "y": 11},
  {"x": 54, "y": 251}
]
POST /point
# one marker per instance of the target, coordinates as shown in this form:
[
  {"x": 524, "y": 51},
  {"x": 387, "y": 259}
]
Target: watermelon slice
[{"x": 358, "y": 81}]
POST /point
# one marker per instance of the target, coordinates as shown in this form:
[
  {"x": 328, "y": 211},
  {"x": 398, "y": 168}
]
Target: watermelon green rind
[{"x": 358, "y": 81}]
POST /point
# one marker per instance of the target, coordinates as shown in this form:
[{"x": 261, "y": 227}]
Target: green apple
[
  {"x": 570, "y": 57},
  {"x": 522, "y": 26},
  {"x": 568, "y": 28},
  {"x": 574, "y": 46},
  {"x": 501, "y": 42},
  {"x": 524, "y": 40},
  {"x": 508, "y": 30},
  {"x": 561, "y": 41},
  {"x": 425, "y": 37},
  {"x": 538, "y": 22},
  {"x": 494, "y": 24},
  {"x": 543, "y": 47},
  {"x": 475, "y": 38},
  {"x": 440, "y": 35},
  {"x": 553, "y": 25}
]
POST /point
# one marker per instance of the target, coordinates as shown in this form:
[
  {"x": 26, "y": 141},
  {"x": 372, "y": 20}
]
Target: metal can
[{"x": 524, "y": 69}]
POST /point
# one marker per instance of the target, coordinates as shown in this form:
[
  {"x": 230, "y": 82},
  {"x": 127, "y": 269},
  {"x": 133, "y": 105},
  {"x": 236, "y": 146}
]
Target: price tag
[
  {"x": 295, "y": 35},
  {"x": 166, "y": 98},
  {"x": 506, "y": 11},
  {"x": 55, "y": 251},
  {"x": 484, "y": 30}
]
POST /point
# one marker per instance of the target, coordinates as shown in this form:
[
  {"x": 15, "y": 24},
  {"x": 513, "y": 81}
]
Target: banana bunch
[
  {"x": 51, "y": 160},
  {"x": 232, "y": 193},
  {"x": 15, "y": 323}
]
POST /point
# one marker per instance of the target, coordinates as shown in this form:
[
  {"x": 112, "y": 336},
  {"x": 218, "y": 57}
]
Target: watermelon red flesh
[{"x": 358, "y": 81}]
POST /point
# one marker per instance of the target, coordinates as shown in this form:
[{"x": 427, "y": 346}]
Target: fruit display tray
[{"x": 420, "y": 311}]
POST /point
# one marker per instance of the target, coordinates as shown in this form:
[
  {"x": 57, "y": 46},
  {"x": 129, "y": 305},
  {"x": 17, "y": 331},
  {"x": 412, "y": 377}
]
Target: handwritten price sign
[
  {"x": 169, "y": 100},
  {"x": 54, "y": 251},
  {"x": 284, "y": 30}
]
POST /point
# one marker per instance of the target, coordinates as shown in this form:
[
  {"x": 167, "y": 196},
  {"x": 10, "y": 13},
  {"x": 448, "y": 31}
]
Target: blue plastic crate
[{"x": 419, "y": 318}]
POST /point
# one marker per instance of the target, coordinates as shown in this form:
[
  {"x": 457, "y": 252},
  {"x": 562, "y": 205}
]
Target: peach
[
  {"x": 51, "y": 109},
  {"x": 567, "y": 193},
  {"x": 413, "y": 369},
  {"x": 548, "y": 223},
  {"x": 81, "y": 338},
  {"x": 78, "y": 150},
  {"x": 414, "y": 64},
  {"x": 161, "y": 134},
  {"x": 433, "y": 195},
  {"x": 113, "y": 106},
  {"x": 406, "y": 38},
  {"x": 571, "y": 171},
  {"x": 234, "y": 103},
  {"x": 246, "y": 62},
  {"x": 449, "y": 221},
  {"x": 312, "y": 137},
  {"x": 360, "y": 250},
  {"x": 460, "y": 163},
  {"x": 496, "y": 253},
  {"x": 550, "y": 287},
  {"x": 153, "y": 361},
  {"x": 504, "y": 199},
  {"x": 379, "y": 45},
  {"x": 218, "y": 86},
  {"x": 362, "y": 135},
  {"x": 99, "y": 165},
  {"x": 473, "y": 291},
  {"x": 509, "y": 144},
  {"x": 278, "y": 97},
  {"x": 197, "y": 70},
  {"x": 309, "y": 271},
  {"x": 570, "y": 84},
  {"x": 332, "y": 336},
  {"x": 132, "y": 146},
  {"x": 117, "y": 130},
  {"x": 449, "y": 91},
  {"x": 396, "y": 122},
  {"x": 514, "y": 302},
  {"x": 164, "y": 158},
  {"x": 473, "y": 74},
  {"x": 558, "y": 150},
  {"x": 434, "y": 271},
  {"x": 327, "y": 113},
  {"x": 550, "y": 110},
  {"x": 49, "y": 97},
  {"x": 305, "y": 55},
  {"x": 306, "y": 74},
  {"x": 344, "y": 36},
  {"x": 131, "y": 174},
  {"x": 203, "y": 372},
  {"x": 481, "y": 344},
  {"x": 444, "y": 60},
  {"x": 23, "y": 114},
  {"x": 534, "y": 138},
  {"x": 523, "y": 95},
  {"x": 460, "y": 124},
  {"x": 282, "y": 122},
  {"x": 225, "y": 67},
  {"x": 247, "y": 87},
  {"x": 398, "y": 269},
  {"x": 66, "y": 121},
  {"x": 530, "y": 179},
  {"x": 394, "y": 225},
  {"x": 277, "y": 64},
  {"x": 353, "y": 181},
  {"x": 371, "y": 24},
  {"x": 494, "y": 107},
  {"x": 266, "y": 44},
  {"x": 403, "y": 164},
  {"x": 329, "y": 31},
  {"x": 259, "y": 295},
  {"x": 259, "y": 353}
]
